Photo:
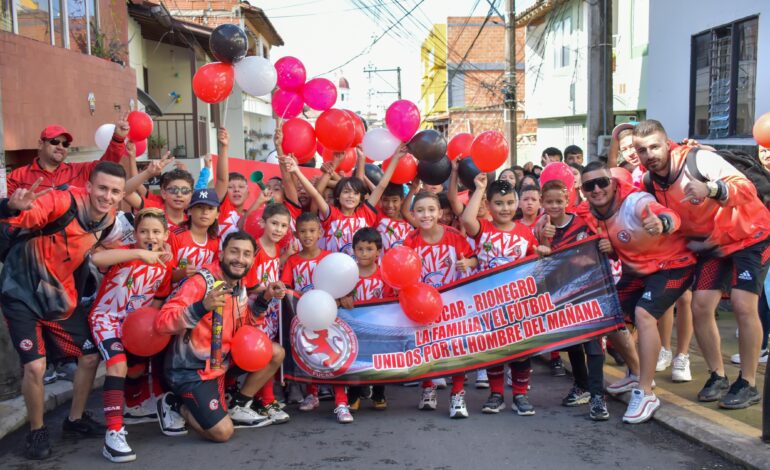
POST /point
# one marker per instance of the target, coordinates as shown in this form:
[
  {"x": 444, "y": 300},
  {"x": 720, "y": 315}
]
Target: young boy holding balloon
[
  {"x": 138, "y": 277},
  {"x": 499, "y": 242}
]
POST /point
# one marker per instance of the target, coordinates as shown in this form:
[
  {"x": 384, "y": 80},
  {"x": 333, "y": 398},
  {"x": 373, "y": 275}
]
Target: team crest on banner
[{"x": 326, "y": 353}]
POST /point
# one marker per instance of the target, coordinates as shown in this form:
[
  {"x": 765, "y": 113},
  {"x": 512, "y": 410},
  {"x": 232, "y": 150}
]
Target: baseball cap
[
  {"x": 205, "y": 196},
  {"x": 621, "y": 127},
  {"x": 55, "y": 130}
]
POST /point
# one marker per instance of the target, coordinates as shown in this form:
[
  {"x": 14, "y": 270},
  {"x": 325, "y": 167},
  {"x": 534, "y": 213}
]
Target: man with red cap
[{"x": 51, "y": 155}]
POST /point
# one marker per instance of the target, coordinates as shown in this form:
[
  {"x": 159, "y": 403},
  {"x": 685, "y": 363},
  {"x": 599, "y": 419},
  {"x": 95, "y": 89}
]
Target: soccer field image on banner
[{"x": 514, "y": 311}]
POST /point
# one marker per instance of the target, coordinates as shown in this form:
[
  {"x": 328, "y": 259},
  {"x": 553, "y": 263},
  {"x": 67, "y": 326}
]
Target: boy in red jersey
[
  {"x": 657, "y": 266},
  {"x": 392, "y": 225}
]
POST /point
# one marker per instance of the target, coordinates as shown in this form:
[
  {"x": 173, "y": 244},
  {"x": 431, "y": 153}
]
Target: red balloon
[
  {"x": 489, "y": 151},
  {"x": 761, "y": 130},
  {"x": 558, "y": 171},
  {"x": 347, "y": 163},
  {"x": 213, "y": 82},
  {"x": 459, "y": 145},
  {"x": 335, "y": 129},
  {"x": 305, "y": 157},
  {"x": 401, "y": 267},
  {"x": 139, "y": 335},
  {"x": 319, "y": 93},
  {"x": 298, "y": 137},
  {"x": 287, "y": 104},
  {"x": 251, "y": 348},
  {"x": 291, "y": 73},
  {"x": 405, "y": 171},
  {"x": 141, "y": 147},
  {"x": 360, "y": 129},
  {"x": 622, "y": 174},
  {"x": 140, "y": 126},
  {"x": 252, "y": 224},
  {"x": 421, "y": 303}
]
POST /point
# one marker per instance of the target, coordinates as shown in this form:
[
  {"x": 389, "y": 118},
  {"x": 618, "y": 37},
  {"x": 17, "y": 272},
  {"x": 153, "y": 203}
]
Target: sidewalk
[
  {"x": 13, "y": 413},
  {"x": 734, "y": 434}
]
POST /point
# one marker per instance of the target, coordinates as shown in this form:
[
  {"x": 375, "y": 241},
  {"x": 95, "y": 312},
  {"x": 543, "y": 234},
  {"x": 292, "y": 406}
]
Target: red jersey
[
  {"x": 497, "y": 247},
  {"x": 640, "y": 252},
  {"x": 339, "y": 228},
  {"x": 298, "y": 272},
  {"x": 439, "y": 260},
  {"x": 393, "y": 231},
  {"x": 228, "y": 218},
  {"x": 66, "y": 175},
  {"x": 288, "y": 239},
  {"x": 155, "y": 201},
  {"x": 265, "y": 269},
  {"x": 372, "y": 287},
  {"x": 188, "y": 251}
]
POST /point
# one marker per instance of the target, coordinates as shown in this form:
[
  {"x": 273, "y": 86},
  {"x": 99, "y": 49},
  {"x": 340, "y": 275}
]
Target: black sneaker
[
  {"x": 38, "y": 445},
  {"x": 86, "y": 426},
  {"x": 598, "y": 407},
  {"x": 740, "y": 395},
  {"x": 616, "y": 356},
  {"x": 325, "y": 392},
  {"x": 714, "y": 389},
  {"x": 557, "y": 368},
  {"x": 576, "y": 397},
  {"x": 494, "y": 404},
  {"x": 522, "y": 406}
]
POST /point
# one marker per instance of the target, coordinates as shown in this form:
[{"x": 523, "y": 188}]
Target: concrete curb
[{"x": 13, "y": 413}]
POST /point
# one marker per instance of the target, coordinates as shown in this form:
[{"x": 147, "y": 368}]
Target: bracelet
[{"x": 713, "y": 189}]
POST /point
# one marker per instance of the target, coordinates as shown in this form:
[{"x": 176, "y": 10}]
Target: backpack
[
  {"x": 749, "y": 166},
  {"x": 11, "y": 236}
]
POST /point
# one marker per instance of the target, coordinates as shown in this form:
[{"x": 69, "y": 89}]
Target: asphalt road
[{"x": 401, "y": 437}]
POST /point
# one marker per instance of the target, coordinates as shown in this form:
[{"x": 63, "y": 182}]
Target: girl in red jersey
[
  {"x": 446, "y": 255},
  {"x": 196, "y": 243},
  {"x": 138, "y": 277},
  {"x": 500, "y": 242}
]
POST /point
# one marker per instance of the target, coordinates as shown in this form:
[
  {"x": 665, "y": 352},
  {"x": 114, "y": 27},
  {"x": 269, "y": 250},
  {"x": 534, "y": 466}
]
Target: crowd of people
[{"x": 87, "y": 244}]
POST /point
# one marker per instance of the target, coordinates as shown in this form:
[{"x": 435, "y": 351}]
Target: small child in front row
[
  {"x": 298, "y": 272},
  {"x": 500, "y": 241},
  {"x": 367, "y": 245}
]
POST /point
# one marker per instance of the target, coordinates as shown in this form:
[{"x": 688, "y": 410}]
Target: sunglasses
[
  {"x": 590, "y": 185},
  {"x": 175, "y": 190},
  {"x": 64, "y": 143}
]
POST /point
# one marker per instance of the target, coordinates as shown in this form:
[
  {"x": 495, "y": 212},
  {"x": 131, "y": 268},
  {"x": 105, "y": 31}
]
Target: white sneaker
[
  {"x": 171, "y": 422},
  {"x": 274, "y": 413},
  {"x": 429, "y": 399},
  {"x": 641, "y": 407},
  {"x": 145, "y": 412},
  {"x": 457, "y": 408},
  {"x": 680, "y": 369},
  {"x": 626, "y": 384},
  {"x": 309, "y": 403},
  {"x": 343, "y": 414},
  {"x": 736, "y": 358},
  {"x": 247, "y": 417},
  {"x": 664, "y": 359},
  {"x": 482, "y": 380},
  {"x": 439, "y": 383},
  {"x": 116, "y": 449}
]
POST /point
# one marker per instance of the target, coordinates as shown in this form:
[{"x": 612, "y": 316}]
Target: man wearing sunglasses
[
  {"x": 50, "y": 163},
  {"x": 657, "y": 269},
  {"x": 729, "y": 227}
]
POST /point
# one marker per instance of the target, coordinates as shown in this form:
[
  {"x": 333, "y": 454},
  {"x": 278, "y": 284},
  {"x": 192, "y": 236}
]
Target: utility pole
[
  {"x": 372, "y": 70},
  {"x": 509, "y": 103},
  {"x": 600, "y": 118}
]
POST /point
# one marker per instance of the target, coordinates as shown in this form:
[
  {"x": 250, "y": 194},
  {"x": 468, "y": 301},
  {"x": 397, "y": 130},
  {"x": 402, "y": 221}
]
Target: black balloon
[
  {"x": 467, "y": 171},
  {"x": 436, "y": 172},
  {"x": 373, "y": 173},
  {"x": 228, "y": 43},
  {"x": 428, "y": 146}
]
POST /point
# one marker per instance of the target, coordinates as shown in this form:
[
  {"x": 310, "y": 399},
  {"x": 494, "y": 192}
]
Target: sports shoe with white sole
[
  {"x": 343, "y": 414},
  {"x": 244, "y": 416},
  {"x": 664, "y": 359},
  {"x": 680, "y": 369},
  {"x": 522, "y": 406},
  {"x": 116, "y": 449},
  {"x": 428, "y": 399},
  {"x": 641, "y": 407},
  {"x": 309, "y": 403},
  {"x": 171, "y": 422},
  {"x": 457, "y": 408},
  {"x": 272, "y": 411},
  {"x": 494, "y": 404},
  {"x": 145, "y": 412},
  {"x": 626, "y": 384},
  {"x": 439, "y": 383},
  {"x": 736, "y": 358},
  {"x": 482, "y": 380}
]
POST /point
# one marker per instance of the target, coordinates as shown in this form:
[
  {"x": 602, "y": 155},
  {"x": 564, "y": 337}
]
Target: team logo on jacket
[
  {"x": 117, "y": 347},
  {"x": 325, "y": 353},
  {"x": 624, "y": 236},
  {"x": 214, "y": 404},
  {"x": 25, "y": 344}
]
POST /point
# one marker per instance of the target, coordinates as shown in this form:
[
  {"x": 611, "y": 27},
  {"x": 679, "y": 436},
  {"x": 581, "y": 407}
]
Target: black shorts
[
  {"x": 205, "y": 400},
  {"x": 745, "y": 270},
  {"x": 31, "y": 335},
  {"x": 655, "y": 293}
]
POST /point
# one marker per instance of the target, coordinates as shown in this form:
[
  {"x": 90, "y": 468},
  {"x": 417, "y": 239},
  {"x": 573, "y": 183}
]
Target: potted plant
[{"x": 155, "y": 145}]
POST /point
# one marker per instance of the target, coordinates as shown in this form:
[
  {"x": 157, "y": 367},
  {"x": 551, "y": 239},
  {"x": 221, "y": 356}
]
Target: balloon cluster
[
  {"x": 213, "y": 82},
  {"x": 401, "y": 268},
  {"x": 140, "y": 128},
  {"x": 294, "y": 92},
  {"x": 334, "y": 277}
]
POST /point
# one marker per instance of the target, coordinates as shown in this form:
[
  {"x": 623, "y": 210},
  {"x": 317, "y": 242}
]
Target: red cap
[{"x": 54, "y": 131}]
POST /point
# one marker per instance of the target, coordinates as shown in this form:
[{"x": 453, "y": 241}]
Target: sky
[{"x": 325, "y": 34}]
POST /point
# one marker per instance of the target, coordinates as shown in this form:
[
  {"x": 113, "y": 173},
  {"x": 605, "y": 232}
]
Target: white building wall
[{"x": 672, "y": 25}]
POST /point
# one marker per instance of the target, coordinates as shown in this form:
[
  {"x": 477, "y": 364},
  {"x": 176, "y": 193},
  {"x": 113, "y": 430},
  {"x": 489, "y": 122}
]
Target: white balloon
[
  {"x": 255, "y": 75},
  {"x": 272, "y": 158},
  {"x": 379, "y": 144},
  {"x": 336, "y": 274},
  {"x": 316, "y": 310},
  {"x": 103, "y": 135}
]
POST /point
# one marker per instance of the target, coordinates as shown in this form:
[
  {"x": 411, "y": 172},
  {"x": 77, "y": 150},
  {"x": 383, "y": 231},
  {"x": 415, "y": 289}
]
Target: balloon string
[{"x": 224, "y": 113}]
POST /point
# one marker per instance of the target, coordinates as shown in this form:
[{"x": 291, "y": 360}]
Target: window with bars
[{"x": 723, "y": 80}]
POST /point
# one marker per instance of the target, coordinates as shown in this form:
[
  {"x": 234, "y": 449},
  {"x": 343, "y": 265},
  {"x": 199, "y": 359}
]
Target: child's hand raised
[{"x": 480, "y": 181}]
